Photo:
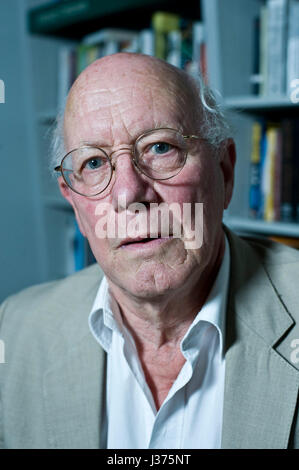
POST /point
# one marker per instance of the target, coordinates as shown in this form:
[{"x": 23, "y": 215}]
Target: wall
[{"x": 21, "y": 251}]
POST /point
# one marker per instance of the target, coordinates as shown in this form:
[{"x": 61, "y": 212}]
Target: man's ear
[
  {"x": 65, "y": 191},
  {"x": 227, "y": 164},
  {"x": 67, "y": 194}
]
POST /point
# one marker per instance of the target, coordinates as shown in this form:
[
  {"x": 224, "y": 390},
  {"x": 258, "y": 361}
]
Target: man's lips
[{"x": 141, "y": 242}]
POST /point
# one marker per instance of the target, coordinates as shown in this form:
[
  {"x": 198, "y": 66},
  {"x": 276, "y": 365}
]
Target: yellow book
[
  {"x": 163, "y": 23},
  {"x": 269, "y": 188}
]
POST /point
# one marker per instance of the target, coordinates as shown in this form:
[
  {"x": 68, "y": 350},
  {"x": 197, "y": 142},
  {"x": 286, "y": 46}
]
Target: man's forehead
[
  {"x": 138, "y": 95},
  {"x": 123, "y": 71}
]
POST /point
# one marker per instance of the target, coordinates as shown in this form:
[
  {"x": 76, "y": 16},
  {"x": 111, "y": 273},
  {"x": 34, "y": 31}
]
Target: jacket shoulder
[
  {"x": 46, "y": 306},
  {"x": 281, "y": 265},
  {"x": 273, "y": 253}
]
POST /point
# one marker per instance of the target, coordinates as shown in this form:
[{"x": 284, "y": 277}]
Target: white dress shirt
[{"x": 191, "y": 414}]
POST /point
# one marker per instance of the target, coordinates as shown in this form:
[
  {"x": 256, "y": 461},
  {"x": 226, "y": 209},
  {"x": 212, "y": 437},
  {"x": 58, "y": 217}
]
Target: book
[
  {"x": 198, "y": 64},
  {"x": 66, "y": 73},
  {"x": 286, "y": 207},
  {"x": 146, "y": 41},
  {"x": 276, "y": 48},
  {"x": 263, "y": 161},
  {"x": 293, "y": 45},
  {"x": 255, "y": 170},
  {"x": 269, "y": 172},
  {"x": 277, "y": 174},
  {"x": 186, "y": 31},
  {"x": 174, "y": 48},
  {"x": 255, "y": 78},
  {"x": 263, "y": 43},
  {"x": 163, "y": 23}
]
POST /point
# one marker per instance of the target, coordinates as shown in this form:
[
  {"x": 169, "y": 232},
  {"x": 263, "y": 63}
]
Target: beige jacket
[{"x": 52, "y": 384}]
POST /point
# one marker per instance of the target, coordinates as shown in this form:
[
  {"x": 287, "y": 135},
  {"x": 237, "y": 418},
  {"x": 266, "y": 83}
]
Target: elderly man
[{"x": 177, "y": 345}]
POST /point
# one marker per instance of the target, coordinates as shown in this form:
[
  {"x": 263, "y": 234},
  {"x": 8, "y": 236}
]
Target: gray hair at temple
[{"x": 213, "y": 125}]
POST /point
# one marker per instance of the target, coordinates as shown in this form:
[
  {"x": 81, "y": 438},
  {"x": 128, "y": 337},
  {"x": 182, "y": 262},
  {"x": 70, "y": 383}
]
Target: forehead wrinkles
[{"x": 124, "y": 102}]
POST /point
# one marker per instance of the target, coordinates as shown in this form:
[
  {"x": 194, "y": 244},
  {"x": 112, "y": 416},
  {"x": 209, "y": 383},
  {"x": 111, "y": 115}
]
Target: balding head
[
  {"x": 137, "y": 70},
  {"x": 192, "y": 99},
  {"x": 116, "y": 82}
]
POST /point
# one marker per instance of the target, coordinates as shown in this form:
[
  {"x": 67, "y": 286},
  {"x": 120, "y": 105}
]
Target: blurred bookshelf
[
  {"x": 232, "y": 38},
  {"x": 76, "y": 18}
]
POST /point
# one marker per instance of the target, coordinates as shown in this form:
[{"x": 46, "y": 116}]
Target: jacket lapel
[
  {"x": 261, "y": 386},
  {"x": 74, "y": 382}
]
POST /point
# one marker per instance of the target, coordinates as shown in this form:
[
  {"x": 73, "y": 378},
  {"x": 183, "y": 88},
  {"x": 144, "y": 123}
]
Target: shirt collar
[{"x": 105, "y": 315}]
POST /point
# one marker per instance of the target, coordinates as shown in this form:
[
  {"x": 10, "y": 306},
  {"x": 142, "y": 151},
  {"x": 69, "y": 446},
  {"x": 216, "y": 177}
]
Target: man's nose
[{"x": 130, "y": 185}]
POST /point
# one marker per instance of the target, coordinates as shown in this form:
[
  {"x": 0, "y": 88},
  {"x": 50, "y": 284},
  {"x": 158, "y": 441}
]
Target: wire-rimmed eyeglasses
[{"x": 159, "y": 154}]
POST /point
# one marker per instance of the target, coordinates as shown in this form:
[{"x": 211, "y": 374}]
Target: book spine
[
  {"x": 198, "y": 38},
  {"x": 277, "y": 174},
  {"x": 147, "y": 42},
  {"x": 255, "y": 167},
  {"x": 293, "y": 45},
  {"x": 263, "y": 66},
  {"x": 255, "y": 78},
  {"x": 277, "y": 21},
  {"x": 65, "y": 74},
  {"x": 263, "y": 172},
  {"x": 286, "y": 211},
  {"x": 186, "y": 31},
  {"x": 174, "y": 56},
  {"x": 162, "y": 24},
  {"x": 269, "y": 174}
]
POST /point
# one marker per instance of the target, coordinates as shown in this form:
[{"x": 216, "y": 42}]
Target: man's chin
[{"x": 151, "y": 281}]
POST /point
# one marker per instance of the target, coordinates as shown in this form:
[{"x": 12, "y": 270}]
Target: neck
[{"x": 159, "y": 325}]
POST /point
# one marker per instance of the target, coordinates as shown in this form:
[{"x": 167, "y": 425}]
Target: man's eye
[
  {"x": 160, "y": 148},
  {"x": 94, "y": 163}
]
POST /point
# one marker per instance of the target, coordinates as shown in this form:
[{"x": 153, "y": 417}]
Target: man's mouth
[{"x": 143, "y": 242}]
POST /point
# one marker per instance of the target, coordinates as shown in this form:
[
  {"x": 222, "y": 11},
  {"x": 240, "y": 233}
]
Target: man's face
[{"x": 111, "y": 110}]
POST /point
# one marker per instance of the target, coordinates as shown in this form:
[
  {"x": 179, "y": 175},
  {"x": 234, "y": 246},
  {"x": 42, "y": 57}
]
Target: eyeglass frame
[{"x": 59, "y": 168}]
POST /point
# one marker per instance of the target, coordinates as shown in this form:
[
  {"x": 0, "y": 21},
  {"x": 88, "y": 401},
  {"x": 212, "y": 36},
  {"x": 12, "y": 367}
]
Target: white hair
[{"x": 213, "y": 125}]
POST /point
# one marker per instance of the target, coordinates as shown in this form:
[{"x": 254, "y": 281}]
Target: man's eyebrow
[{"x": 94, "y": 143}]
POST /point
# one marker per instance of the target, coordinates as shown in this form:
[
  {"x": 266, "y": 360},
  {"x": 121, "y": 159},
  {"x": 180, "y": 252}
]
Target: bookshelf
[
  {"x": 230, "y": 47},
  {"x": 76, "y": 18},
  {"x": 230, "y": 50},
  {"x": 258, "y": 104}
]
